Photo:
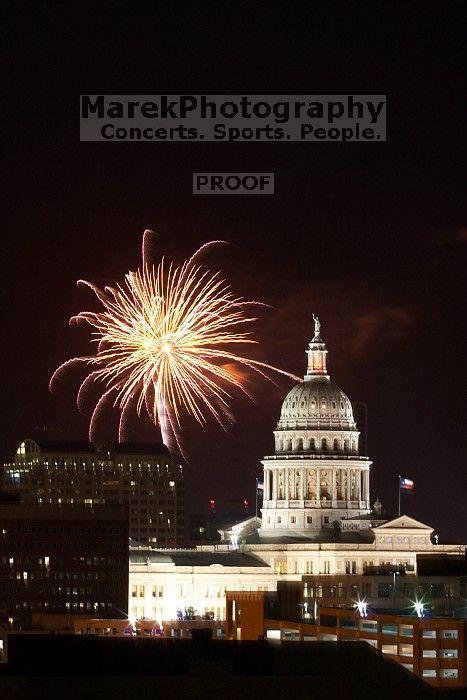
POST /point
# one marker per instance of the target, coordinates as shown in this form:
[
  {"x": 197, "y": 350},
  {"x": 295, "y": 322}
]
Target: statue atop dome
[{"x": 317, "y": 325}]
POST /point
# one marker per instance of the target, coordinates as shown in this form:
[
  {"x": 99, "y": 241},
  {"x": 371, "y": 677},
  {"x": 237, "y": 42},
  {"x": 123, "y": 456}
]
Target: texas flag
[{"x": 405, "y": 484}]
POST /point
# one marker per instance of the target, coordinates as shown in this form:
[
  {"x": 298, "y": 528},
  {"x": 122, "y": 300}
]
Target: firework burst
[{"x": 165, "y": 341}]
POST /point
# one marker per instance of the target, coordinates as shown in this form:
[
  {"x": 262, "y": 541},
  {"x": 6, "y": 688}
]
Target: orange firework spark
[{"x": 163, "y": 340}]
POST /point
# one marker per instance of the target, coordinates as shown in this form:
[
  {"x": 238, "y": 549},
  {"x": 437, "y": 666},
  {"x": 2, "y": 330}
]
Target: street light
[
  {"x": 419, "y": 609},
  {"x": 362, "y": 608}
]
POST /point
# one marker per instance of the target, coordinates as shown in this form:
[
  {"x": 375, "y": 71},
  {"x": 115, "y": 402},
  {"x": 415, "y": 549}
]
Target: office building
[
  {"x": 62, "y": 560},
  {"x": 144, "y": 477}
]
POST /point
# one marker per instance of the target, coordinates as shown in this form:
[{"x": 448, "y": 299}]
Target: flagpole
[{"x": 399, "y": 494}]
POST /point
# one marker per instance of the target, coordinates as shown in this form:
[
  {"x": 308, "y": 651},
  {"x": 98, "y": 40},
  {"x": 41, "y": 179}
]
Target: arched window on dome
[
  {"x": 288, "y": 446},
  {"x": 312, "y": 444},
  {"x": 300, "y": 445},
  {"x": 333, "y": 404},
  {"x": 347, "y": 445},
  {"x": 324, "y": 444},
  {"x": 280, "y": 445},
  {"x": 336, "y": 445}
]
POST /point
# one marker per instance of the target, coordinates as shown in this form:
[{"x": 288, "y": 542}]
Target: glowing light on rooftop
[
  {"x": 362, "y": 608},
  {"x": 419, "y": 608}
]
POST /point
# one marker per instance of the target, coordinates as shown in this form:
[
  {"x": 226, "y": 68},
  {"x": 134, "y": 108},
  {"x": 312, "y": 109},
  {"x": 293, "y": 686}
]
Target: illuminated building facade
[
  {"x": 166, "y": 583},
  {"x": 385, "y": 572},
  {"x": 142, "y": 476}
]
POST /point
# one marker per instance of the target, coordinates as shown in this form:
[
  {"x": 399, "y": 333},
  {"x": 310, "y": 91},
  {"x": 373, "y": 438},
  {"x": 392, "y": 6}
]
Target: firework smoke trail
[{"x": 162, "y": 343}]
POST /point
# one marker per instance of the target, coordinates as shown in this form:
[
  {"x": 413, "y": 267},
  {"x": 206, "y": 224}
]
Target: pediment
[{"x": 403, "y": 522}]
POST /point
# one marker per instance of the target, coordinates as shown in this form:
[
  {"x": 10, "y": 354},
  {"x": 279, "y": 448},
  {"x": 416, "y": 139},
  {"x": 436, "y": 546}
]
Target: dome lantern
[{"x": 316, "y": 354}]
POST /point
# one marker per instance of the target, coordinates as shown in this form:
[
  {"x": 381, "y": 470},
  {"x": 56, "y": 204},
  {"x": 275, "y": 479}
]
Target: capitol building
[
  {"x": 316, "y": 481},
  {"x": 317, "y": 524}
]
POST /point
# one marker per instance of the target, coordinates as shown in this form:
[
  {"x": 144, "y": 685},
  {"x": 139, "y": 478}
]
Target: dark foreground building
[
  {"x": 427, "y": 646},
  {"x": 67, "y": 560},
  {"x": 139, "y": 667}
]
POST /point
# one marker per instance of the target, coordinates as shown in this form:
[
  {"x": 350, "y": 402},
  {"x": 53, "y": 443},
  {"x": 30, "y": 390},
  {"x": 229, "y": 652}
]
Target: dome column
[
  {"x": 303, "y": 482},
  {"x": 358, "y": 485},
  {"x": 333, "y": 494}
]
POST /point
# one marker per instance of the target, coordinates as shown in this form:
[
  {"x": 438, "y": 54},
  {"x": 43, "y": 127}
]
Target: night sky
[{"x": 371, "y": 237}]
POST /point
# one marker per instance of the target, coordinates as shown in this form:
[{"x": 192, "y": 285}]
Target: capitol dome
[
  {"x": 316, "y": 415},
  {"x": 316, "y": 402}
]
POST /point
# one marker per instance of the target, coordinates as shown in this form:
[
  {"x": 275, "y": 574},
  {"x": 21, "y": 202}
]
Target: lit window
[
  {"x": 449, "y": 673},
  {"x": 429, "y": 634},
  {"x": 389, "y": 649},
  {"x": 449, "y": 634},
  {"x": 429, "y": 673},
  {"x": 448, "y": 653}
]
